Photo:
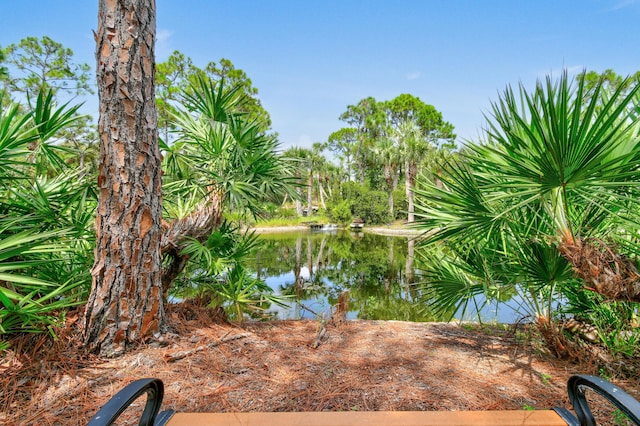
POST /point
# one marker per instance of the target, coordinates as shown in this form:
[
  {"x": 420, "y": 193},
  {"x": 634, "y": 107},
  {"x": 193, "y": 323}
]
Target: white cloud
[
  {"x": 414, "y": 75},
  {"x": 622, "y": 4},
  {"x": 163, "y": 44},
  {"x": 163, "y": 35}
]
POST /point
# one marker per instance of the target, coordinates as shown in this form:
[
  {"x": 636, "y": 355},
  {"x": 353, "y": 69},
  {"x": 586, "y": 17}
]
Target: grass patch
[{"x": 290, "y": 221}]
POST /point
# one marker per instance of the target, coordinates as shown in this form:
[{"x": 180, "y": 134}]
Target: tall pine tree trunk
[{"x": 125, "y": 305}]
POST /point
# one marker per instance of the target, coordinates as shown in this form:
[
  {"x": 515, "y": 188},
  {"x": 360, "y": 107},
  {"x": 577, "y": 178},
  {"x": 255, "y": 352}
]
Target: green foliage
[
  {"x": 44, "y": 65},
  {"x": 558, "y": 163},
  {"x": 408, "y": 108},
  {"x": 616, "y": 323},
  {"x": 342, "y": 143},
  {"x": 367, "y": 118},
  {"x": 216, "y": 274},
  {"x": 46, "y": 239},
  {"x": 219, "y": 150},
  {"x": 341, "y": 212},
  {"x": 372, "y": 207},
  {"x": 172, "y": 77},
  {"x": 609, "y": 80},
  {"x": 230, "y": 76},
  {"x": 178, "y": 75},
  {"x": 285, "y": 213},
  {"x": 242, "y": 294},
  {"x": 4, "y": 73},
  {"x": 29, "y": 300},
  {"x": 220, "y": 161},
  {"x": 400, "y": 203}
]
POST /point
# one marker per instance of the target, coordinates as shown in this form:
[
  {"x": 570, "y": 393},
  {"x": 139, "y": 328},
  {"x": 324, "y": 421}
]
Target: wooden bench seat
[
  {"x": 371, "y": 418},
  {"x": 576, "y": 387}
]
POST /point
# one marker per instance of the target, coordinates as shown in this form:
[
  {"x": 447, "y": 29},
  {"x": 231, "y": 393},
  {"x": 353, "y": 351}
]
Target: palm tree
[
  {"x": 299, "y": 158},
  {"x": 219, "y": 159},
  {"x": 576, "y": 158},
  {"x": 319, "y": 165},
  {"x": 553, "y": 188},
  {"x": 415, "y": 148},
  {"x": 389, "y": 154}
]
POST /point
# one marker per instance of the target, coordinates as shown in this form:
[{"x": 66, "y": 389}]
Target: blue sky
[{"x": 311, "y": 59}]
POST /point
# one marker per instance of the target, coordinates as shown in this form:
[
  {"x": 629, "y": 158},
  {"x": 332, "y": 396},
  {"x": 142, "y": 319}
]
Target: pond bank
[
  {"x": 276, "y": 229},
  {"x": 380, "y": 230},
  {"x": 272, "y": 366},
  {"x": 401, "y": 232}
]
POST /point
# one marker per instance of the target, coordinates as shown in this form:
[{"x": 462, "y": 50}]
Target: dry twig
[{"x": 183, "y": 354}]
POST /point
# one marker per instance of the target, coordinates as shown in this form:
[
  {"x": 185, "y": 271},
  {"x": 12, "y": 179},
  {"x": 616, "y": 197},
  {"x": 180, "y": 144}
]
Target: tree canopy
[{"x": 43, "y": 65}]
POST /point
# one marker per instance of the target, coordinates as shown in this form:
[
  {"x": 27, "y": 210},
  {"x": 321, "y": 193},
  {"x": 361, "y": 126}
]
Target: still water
[{"x": 315, "y": 267}]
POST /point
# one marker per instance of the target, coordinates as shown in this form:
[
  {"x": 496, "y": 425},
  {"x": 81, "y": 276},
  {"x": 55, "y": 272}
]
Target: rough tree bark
[{"x": 125, "y": 305}]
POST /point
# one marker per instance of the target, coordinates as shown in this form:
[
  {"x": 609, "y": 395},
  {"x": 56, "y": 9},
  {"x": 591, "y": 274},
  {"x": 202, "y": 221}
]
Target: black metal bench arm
[
  {"x": 121, "y": 401},
  {"x": 577, "y": 386}
]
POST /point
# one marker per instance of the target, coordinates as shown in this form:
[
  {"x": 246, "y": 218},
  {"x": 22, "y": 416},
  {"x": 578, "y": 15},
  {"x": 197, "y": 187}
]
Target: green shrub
[
  {"x": 400, "y": 204},
  {"x": 352, "y": 191},
  {"x": 286, "y": 213},
  {"x": 269, "y": 210},
  {"x": 372, "y": 207},
  {"x": 340, "y": 212}
]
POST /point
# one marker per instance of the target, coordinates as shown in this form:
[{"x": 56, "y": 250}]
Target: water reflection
[{"x": 316, "y": 267}]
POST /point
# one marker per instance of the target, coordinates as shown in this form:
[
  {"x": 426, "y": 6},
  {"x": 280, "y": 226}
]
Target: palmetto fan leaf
[
  {"x": 457, "y": 208},
  {"x": 558, "y": 165},
  {"x": 213, "y": 100},
  {"x": 26, "y": 139},
  {"x": 219, "y": 159},
  {"x": 15, "y": 135},
  {"x": 452, "y": 286},
  {"x": 28, "y": 300},
  {"x": 556, "y": 144}
]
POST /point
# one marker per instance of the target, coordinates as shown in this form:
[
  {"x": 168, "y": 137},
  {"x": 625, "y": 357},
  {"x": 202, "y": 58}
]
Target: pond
[{"x": 315, "y": 267}]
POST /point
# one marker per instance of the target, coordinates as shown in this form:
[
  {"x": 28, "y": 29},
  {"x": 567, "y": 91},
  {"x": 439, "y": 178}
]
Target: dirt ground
[{"x": 273, "y": 366}]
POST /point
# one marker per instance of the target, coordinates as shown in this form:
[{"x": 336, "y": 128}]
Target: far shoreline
[{"x": 379, "y": 230}]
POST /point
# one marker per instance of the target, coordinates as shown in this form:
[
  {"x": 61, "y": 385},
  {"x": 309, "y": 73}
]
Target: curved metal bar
[
  {"x": 566, "y": 415},
  {"x": 622, "y": 400},
  {"x": 123, "y": 399}
]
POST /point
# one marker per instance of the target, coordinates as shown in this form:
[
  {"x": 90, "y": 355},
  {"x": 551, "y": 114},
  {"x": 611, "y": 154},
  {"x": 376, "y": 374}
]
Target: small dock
[
  {"x": 357, "y": 224},
  {"x": 314, "y": 226}
]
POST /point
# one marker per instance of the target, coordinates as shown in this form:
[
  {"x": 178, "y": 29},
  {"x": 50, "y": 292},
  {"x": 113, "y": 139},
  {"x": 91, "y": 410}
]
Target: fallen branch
[{"x": 183, "y": 354}]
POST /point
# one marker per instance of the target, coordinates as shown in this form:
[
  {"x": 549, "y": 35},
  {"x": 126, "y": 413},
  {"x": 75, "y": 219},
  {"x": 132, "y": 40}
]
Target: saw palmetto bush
[
  {"x": 45, "y": 219},
  {"x": 216, "y": 276},
  {"x": 220, "y": 160},
  {"x": 547, "y": 202}
]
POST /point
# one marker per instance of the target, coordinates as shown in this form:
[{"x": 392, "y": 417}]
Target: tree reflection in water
[{"x": 317, "y": 266}]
